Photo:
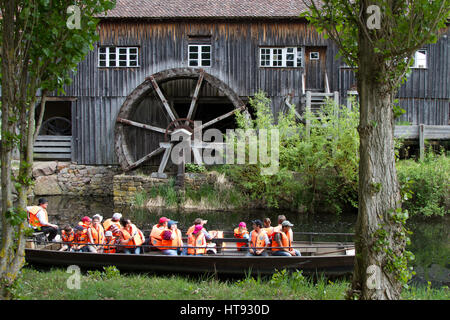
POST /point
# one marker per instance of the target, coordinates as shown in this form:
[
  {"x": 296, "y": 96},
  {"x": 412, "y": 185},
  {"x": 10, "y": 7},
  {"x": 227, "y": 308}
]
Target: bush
[
  {"x": 325, "y": 154},
  {"x": 428, "y": 182}
]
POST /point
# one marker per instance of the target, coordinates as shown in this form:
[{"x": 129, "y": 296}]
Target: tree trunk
[{"x": 378, "y": 186}]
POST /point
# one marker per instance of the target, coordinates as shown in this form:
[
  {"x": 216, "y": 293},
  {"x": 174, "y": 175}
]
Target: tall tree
[
  {"x": 379, "y": 38},
  {"x": 42, "y": 42}
]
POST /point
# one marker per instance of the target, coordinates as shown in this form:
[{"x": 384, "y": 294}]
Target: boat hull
[{"x": 228, "y": 265}]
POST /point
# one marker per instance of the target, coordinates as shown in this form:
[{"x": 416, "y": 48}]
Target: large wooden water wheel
[{"x": 147, "y": 118}]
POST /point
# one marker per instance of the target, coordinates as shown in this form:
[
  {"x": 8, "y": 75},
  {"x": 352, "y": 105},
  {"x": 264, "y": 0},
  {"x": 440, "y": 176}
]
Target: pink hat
[
  {"x": 197, "y": 228},
  {"x": 86, "y": 218},
  {"x": 163, "y": 219},
  {"x": 243, "y": 225}
]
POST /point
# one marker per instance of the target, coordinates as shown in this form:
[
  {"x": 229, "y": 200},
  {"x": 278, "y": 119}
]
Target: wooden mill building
[{"x": 162, "y": 60}]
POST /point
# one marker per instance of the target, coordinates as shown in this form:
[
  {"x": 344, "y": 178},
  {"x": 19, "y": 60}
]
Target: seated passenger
[
  {"x": 201, "y": 222},
  {"x": 172, "y": 237},
  {"x": 114, "y": 221},
  {"x": 68, "y": 236},
  {"x": 80, "y": 240},
  {"x": 241, "y": 232},
  {"x": 258, "y": 240},
  {"x": 131, "y": 237},
  {"x": 268, "y": 228},
  {"x": 197, "y": 241},
  {"x": 38, "y": 219},
  {"x": 85, "y": 222},
  {"x": 96, "y": 235},
  {"x": 282, "y": 239},
  {"x": 156, "y": 233},
  {"x": 110, "y": 243}
]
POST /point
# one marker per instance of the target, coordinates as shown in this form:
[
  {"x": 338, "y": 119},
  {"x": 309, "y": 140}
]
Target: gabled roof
[{"x": 163, "y": 9}]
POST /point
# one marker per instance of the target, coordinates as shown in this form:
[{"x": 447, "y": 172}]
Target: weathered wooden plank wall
[{"x": 235, "y": 60}]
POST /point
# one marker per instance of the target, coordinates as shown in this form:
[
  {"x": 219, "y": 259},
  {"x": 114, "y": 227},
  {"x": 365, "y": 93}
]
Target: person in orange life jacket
[
  {"x": 96, "y": 235},
  {"x": 85, "y": 222},
  {"x": 241, "y": 233},
  {"x": 172, "y": 237},
  {"x": 38, "y": 219},
  {"x": 114, "y": 221},
  {"x": 197, "y": 241},
  {"x": 258, "y": 240},
  {"x": 67, "y": 235},
  {"x": 80, "y": 240},
  {"x": 110, "y": 242},
  {"x": 131, "y": 237},
  {"x": 282, "y": 239},
  {"x": 268, "y": 228},
  {"x": 201, "y": 222},
  {"x": 281, "y": 219},
  {"x": 156, "y": 233}
]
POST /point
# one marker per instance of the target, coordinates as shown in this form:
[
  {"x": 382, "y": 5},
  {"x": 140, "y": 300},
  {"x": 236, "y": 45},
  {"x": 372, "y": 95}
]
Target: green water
[{"x": 430, "y": 238}]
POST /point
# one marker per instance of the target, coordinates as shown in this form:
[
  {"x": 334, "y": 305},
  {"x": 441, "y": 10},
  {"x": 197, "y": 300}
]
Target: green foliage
[
  {"x": 427, "y": 184},
  {"x": 195, "y": 168},
  {"x": 325, "y": 153}
]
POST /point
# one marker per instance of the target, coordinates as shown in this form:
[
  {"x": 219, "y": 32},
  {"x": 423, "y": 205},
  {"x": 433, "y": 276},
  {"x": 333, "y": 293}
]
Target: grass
[{"x": 111, "y": 285}]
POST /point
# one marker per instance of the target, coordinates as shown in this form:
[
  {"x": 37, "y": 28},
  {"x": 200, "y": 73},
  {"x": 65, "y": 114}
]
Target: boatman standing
[{"x": 38, "y": 219}]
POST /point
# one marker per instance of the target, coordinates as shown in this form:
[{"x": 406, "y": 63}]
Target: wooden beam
[
  {"x": 143, "y": 159},
  {"x": 169, "y": 110},
  {"x": 193, "y": 106},
  {"x": 421, "y": 141},
  {"x": 226, "y": 115},
  {"x": 142, "y": 125}
]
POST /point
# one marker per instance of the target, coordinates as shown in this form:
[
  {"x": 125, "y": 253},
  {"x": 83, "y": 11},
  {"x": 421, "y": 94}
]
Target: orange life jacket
[
  {"x": 98, "y": 235},
  {"x": 32, "y": 216},
  {"x": 197, "y": 241},
  {"x": 85, "y": 225},
  {"x": 138, "y": 238},
  {"x": 156, "y": 236},
  {"x": 270, "y": 231},
  {"x": 176, "y": 242},
  {"x": 257, "y": 240},
  {"x": 81, "y": 238},
  {"x": 284, "y": 242},
  {"x": 190, "y": 230},
  {"x": 109, "y": 222},
  {"x": 240, "y": 235},
  {"x": 110, "y": 246},
  {"x": 67, "y": 237}
]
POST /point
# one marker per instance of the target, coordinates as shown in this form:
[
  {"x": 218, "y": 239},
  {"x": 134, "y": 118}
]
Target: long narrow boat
[{"x": 330, "y": 258}]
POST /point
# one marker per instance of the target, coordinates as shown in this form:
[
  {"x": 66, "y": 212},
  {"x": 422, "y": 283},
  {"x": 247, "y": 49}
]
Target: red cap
[
  {"x": 163, "y": 219},
  {"x": 86, "y": 218}
]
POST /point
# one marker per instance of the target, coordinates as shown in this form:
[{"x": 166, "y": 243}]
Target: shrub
[{"x": 428, "y": 182}]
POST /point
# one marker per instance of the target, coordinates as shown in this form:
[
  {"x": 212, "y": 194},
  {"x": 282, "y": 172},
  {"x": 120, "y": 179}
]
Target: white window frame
[
  {"x": 199, "y": 55},
  {"x": 274, "y": 52},
  {"x": 416, "y": 64},
  {"x": 116, "y": 51},
  {"x": 311, "y": 53}
]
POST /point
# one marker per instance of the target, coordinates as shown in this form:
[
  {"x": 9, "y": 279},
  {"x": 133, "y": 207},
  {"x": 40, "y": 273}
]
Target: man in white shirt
[{"x": 38, "y": 219}]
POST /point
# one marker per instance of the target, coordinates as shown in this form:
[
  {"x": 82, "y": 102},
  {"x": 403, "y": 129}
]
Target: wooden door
[{"x": 315, "y": 67}]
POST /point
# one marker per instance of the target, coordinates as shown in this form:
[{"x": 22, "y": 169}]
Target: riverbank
[{"x": 111, "y": 285}]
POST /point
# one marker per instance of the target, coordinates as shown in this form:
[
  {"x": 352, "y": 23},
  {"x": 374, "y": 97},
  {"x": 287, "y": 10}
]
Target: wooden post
[
  {"x": 308, "y": 110},
  {"x": 421, "y": 141}
]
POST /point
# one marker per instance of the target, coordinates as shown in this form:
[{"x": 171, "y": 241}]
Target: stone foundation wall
[
  {"x": 126, "y": 186},
  {"x": 66, "y": 178}
]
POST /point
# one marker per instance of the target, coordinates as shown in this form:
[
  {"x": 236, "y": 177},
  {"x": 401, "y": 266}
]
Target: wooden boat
[{"x": 329, "y": 258}]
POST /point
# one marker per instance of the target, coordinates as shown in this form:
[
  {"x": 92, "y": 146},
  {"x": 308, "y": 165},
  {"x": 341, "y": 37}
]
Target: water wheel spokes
[
  {"x": 213, "y": 121},
  {"x": 172, "y": 113},
  {"x": 143, "y": 159},
  {"x": 193, "y": 106},
  {"x": 142, "y": 125}
]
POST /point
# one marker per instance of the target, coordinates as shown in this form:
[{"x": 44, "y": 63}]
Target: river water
[{"x": 430, "y": 241}]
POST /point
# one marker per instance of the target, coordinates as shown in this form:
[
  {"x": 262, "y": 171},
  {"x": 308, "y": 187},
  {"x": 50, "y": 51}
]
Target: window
[
  {"x": 314, "y": 55},
  {"x": 118, "y": 57},
  {"x": 281, "y": 57},
  {"x": 420, "y": 59},
  {"x": 199, "y": 55}
]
